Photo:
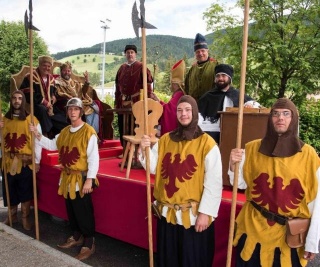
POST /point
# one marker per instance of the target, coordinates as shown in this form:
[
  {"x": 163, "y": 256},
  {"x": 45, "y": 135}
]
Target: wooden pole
[
  {"x": 147, "y": 152},
  {"x": 5, "y": 169},
  {"x": 239, "y": 130},
  {"x": 35, "y": 198}
]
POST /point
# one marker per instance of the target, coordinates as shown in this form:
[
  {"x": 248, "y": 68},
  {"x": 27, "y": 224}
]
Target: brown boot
[
  {"x": 25, "y": 210},
  {"x": 14, "y": 217}
]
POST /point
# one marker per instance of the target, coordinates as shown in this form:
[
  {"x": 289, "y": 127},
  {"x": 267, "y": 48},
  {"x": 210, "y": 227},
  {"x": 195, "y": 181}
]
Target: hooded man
[
  {"x": 188, "y": 189},
  {"x": 281, "y": 177}
]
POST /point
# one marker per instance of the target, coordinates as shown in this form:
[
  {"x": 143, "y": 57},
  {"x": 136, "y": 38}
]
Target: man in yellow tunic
[
  {"x": 79, "y": 159},
  {"x": 17, "y": 158},
  {"x": 187, "y": 189},
  {"x": 281, "y": 177}
]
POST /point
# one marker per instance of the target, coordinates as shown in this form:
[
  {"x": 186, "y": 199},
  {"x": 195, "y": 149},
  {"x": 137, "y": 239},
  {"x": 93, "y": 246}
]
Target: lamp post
[{"x": 104, "y": 27}]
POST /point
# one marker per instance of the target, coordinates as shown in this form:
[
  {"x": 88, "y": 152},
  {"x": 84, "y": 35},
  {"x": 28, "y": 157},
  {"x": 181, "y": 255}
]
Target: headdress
[
  {"x": 67, "y": 64},
  {"x": 177, "y": 72},
  {"x": 286, "y": 144},
  {"x": 191, "y": 131},
  {"x": 43, "y": 59},
  {"x": 130, "y": 47},
  {"x": 200, "y": 42},
  {"x": 225, "y": 69}
]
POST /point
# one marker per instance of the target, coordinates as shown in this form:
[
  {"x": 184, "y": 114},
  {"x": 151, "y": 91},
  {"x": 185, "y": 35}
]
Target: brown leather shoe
[
  {"x": 85, "y": 253},
  {"x": 71, "y": 242}
]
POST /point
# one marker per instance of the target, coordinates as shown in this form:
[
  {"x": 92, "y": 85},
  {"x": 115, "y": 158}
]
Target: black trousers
[
  {"x": 255, "y": 258},
  {"x": 20, "y": 187},
  {"x": 180, "y": 247},
  {"x": 81, "y": 215}
]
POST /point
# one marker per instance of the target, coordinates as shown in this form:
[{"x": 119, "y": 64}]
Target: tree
[
  {"x": 283, "y": 47},
  {"x": 14, "y": 52}
]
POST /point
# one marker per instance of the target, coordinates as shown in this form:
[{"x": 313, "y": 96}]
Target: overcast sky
[{"x": 69, "y": 24}]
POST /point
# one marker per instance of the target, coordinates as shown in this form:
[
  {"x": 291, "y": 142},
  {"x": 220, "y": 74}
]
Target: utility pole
[{"x": 104, "y": 27}]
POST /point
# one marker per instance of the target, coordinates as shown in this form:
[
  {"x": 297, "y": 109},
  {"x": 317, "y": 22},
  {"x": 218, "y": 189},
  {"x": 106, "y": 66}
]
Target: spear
[
  {"x": 239, "y": 129},
  {"x": 141, "y": 23},
  {"x": 5, "y": 169},
  {"x": 29, "y": 29}
]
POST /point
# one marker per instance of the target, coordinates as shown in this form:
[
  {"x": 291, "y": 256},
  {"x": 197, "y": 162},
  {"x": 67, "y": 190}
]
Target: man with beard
[
  {"x": 67, "y": 88},
  {"x": 223, "y": 95},
  {"x": 17, "y": 158}
]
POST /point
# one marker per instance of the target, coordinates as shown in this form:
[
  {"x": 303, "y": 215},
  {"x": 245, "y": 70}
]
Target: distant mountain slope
[{"x": 161, "y": 46}]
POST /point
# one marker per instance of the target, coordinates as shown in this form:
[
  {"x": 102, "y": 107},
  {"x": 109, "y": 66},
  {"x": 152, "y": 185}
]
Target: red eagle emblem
[
  {"x": 278, "y": 196},
  {"x": 68, "y": 158},
  {"x": 14, "y": 144},
  {"x": 177, "y": 169}
]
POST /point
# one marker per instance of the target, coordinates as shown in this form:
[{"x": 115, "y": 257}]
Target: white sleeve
[
  {"x": 313, "y": 237},
  {"x": 241, "y": 183},
  {"x": 93, "y": 157},
  {"x": 37, "y": 148},
  {"x": 153, "y": 159},
  {"x": 212, "y": 193},
  {"x": 47, "y": 143}
]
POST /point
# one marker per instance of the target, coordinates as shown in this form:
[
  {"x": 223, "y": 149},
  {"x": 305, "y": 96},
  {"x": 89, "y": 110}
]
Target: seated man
[
  {"x": 52, "y": 120},
  {"x": 67, "y": 88}
]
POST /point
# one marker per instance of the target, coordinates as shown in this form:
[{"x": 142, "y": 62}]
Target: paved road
[{"x": 109, "y": 252}]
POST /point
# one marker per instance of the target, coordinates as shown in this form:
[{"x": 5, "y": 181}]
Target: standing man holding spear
[{"x": 17, "y": 159}]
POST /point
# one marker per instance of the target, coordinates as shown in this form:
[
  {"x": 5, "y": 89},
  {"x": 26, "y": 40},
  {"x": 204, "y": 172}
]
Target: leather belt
[{"x": 272, "y": 216}]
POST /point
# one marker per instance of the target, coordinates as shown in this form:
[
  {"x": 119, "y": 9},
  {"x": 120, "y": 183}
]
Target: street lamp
[{"x": 104, "y": 27}]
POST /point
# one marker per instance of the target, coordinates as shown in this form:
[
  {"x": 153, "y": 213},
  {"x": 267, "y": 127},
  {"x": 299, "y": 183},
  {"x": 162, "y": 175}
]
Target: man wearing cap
[
  {"x": 79, "y": 167},
  {"x": 52, "y": 121},
  {"x": 223, "y": 95},
  {"x": 67, "y": 88},
  {"x": 281, "y": 176},
  {"x": 200, "y": 77},
  {"x": 129, "y": 81},
  {"x": 168, "y": 120}
]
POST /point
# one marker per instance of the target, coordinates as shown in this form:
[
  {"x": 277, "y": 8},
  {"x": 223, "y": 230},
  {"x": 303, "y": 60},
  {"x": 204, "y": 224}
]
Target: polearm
[
  {"x": 239, "y": 130},
  {"x": 29, "y": 26},
  {"x": 141, "y": 23},
  {"x": 5, "y": 169}
]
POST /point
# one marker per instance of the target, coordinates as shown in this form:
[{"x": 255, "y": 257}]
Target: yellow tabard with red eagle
[
  {"x": 180, "y": 173},
  {"x": 72, "y": 148},
  {"x": 283, "y": 185},
  {"x": 17, "y": 142}
]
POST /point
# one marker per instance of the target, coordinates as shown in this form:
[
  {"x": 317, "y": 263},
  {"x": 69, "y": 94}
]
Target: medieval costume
[
  {"x": 17, "y": 161},
  {"x": 168, "y": 121},
  {"x": 129, "y": 82},
  {"x": 280, "y": 175},
  {"x": 79, "y": 160},
  {"x": 200, "y": 77},
  {"x": 69, "y": 88},
  {"x": 188, "y": 181},
  {"x": 51, "y": 120}
]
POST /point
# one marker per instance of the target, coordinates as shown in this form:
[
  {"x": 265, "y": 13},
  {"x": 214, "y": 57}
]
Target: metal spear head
[
  {"x": 28, "y": 22},
  {"x": 139, "y": 22}
]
